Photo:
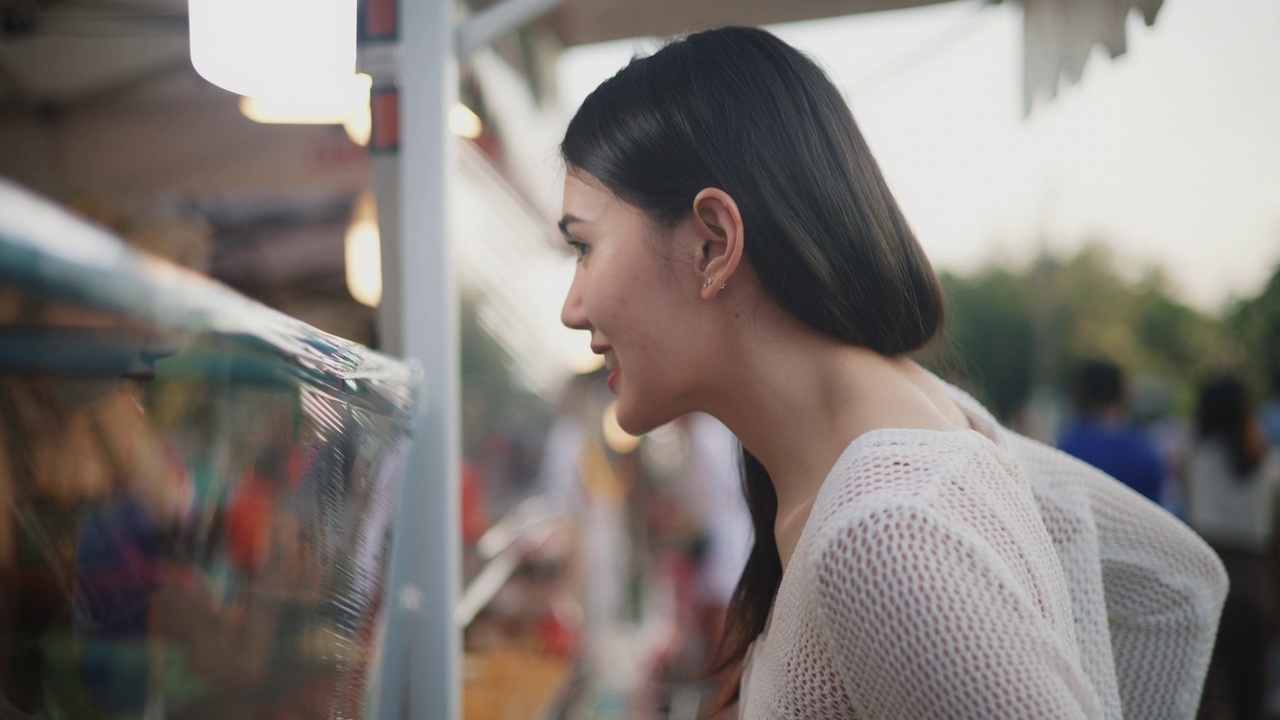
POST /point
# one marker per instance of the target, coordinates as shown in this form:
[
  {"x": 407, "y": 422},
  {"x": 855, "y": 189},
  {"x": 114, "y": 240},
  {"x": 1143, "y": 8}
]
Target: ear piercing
[{"x": 710, "y": 280}]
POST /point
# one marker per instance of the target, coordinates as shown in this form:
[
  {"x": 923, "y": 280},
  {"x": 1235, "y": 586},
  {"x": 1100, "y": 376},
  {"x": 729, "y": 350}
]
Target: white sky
[{"x": 1171, "y": 151}]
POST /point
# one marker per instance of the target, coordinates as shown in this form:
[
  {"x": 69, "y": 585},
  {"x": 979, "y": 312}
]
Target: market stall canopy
[
  {"x": 66, "y": 54},
  {"x": 582, "y": 22},
  {"x": 1057, "y": 38},
  {"x": 99, "y": 96}
]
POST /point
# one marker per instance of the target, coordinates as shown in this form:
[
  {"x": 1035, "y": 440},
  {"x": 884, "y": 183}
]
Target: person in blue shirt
[
  {"x": 1270, "y": 408},
  {"x": 1105, "y": 436}
]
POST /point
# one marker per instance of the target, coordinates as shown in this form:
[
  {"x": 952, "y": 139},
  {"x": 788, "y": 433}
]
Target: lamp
[
  {"x": 293, "y": 61},
  {"x": 363, "y": 252},
  {"x": 464, "y": 122},
  {"x": 269, "y": 48},
  {"x": 344, "y": 102}
]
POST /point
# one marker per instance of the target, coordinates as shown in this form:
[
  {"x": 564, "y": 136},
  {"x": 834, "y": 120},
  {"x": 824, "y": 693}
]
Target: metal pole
[
  {"x": 429, "y": 330},
  {"x": 392, "y": 676},
  {"x": 421, "y": 676}
]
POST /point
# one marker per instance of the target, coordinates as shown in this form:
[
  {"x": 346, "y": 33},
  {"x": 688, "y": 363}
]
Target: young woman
[
  {"x": 740, "y": 254},
  {"x": 1233, "y": 483}
]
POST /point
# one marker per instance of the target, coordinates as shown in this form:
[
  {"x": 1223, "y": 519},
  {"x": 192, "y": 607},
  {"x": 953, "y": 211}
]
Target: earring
[
  {"x": 723, "y": 285},
  {"x": 707, "y": 284}
]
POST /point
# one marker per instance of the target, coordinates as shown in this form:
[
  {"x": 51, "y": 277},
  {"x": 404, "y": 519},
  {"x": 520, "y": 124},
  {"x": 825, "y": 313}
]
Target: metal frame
[{"x": 497, "y": 20}]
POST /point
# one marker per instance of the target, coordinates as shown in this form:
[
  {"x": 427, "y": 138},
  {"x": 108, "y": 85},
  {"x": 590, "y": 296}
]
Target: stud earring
[{"x": 707, "y": 284}]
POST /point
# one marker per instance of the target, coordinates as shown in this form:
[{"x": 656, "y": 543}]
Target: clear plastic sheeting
[{"x": 196, "y": 492}]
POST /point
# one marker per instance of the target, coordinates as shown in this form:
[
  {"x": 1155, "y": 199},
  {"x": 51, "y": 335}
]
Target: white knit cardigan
[{"x": 981, "y": 574}]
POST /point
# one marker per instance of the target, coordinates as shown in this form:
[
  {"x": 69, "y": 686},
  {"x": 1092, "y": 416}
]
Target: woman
[
  {"x": 1233, "y": 485},
  {"x": 740, "y": 254}
]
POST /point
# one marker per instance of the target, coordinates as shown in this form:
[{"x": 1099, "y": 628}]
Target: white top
[
  {"x": 1233, "y": 512},
  {"x": 981, "y": 574}
]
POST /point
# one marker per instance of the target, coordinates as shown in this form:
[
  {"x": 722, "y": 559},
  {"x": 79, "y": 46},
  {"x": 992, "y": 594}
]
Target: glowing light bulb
[
  {"x": 363, "y": 252},
  {"x": 463, "y": 122}
]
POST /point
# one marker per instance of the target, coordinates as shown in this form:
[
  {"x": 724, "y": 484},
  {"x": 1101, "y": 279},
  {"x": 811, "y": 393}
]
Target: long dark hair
[
  {"x": 740, "y": 110},
  {"x": 1225, "y": 413}
]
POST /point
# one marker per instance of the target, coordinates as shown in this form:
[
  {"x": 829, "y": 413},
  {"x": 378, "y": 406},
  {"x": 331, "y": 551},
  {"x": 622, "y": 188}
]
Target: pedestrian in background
[
  {"x": 1270, "y": 411},
  {"x": 1104, "y": 434},
  {"x": 1233, "y": 481}
]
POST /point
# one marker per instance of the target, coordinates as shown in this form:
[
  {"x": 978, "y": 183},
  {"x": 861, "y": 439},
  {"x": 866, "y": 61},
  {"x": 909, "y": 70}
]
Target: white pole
[
  {"x": 421, "y": 665},
  {"x": 419, "y": 320}
]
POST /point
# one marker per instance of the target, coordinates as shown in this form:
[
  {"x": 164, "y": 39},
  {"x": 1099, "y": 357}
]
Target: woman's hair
[
  {"x": 740, "y": 110},
  {"x": 1224, "y": 413}
]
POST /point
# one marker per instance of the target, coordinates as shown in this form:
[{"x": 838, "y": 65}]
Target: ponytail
[{"x": 753, "y": 598}]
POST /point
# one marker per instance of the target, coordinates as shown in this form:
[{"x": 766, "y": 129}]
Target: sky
[{"x": 1171, "y": 152}]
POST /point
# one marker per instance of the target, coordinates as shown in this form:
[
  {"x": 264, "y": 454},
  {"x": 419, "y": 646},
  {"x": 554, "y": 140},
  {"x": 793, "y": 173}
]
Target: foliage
[
  {"x": 1256, "y": 324},
  {"x": 1015, "y": 331},
  {"x": 987, "y": 343}
]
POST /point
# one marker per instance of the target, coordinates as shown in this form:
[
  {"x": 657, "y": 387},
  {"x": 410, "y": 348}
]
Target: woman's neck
[{"x": 796, "y": 399}]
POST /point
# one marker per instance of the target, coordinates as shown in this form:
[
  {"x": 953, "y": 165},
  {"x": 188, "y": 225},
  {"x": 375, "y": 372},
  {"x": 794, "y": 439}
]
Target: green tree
[
  {"x": 1012, "y": 330},
  {"x": 1255, "y": 325},
  {"x": 986, "y": 345}
]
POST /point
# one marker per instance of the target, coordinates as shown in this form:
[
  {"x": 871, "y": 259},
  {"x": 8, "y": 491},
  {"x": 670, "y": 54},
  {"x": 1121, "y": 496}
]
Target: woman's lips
[{"x": 610, "y": 364}]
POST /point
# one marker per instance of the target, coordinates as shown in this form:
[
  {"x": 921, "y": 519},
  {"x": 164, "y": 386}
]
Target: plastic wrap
[{"x": 196, "y": 492}]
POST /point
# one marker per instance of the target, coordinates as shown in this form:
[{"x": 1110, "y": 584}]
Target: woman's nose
[{"x": 573, "y": 314}]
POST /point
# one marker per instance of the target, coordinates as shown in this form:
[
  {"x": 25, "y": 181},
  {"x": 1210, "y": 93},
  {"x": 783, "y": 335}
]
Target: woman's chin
[
  {"x": 636, "y": 421},
  {"x": 633, "y": 428}
]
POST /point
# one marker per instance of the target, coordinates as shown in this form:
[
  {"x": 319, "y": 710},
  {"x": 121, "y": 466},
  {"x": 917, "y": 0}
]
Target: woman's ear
[{"x": 718, "y": 224}]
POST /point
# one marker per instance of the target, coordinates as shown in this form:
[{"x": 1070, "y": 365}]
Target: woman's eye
[{"x": 579, "y": 248}]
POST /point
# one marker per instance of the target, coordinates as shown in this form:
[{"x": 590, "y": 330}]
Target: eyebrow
[{"x": 565, "y": 222}]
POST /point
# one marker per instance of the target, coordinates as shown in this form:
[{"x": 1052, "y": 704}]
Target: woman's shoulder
[
  {"x": 893, "y": 467},
  {"x": 956, "y": 516},
  {"x": 953, "y": 516},
  {"x": 953, "y": 483}
]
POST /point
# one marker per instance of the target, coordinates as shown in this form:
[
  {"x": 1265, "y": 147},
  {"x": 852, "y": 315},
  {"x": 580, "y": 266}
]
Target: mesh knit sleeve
[
  {"x": 1164, "y": 589},
  {"x": 924, "y": 620},
  {"x": 1148, "y": 592}
]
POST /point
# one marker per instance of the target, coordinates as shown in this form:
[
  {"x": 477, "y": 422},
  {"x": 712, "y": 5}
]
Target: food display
[{"x": 197, "y": 493}]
